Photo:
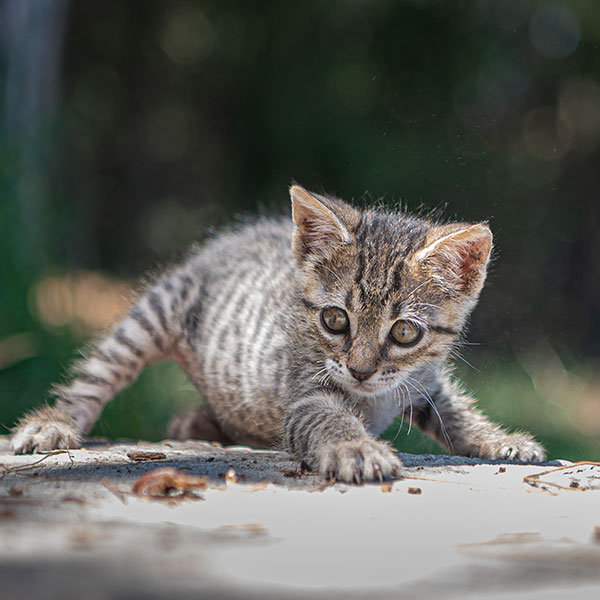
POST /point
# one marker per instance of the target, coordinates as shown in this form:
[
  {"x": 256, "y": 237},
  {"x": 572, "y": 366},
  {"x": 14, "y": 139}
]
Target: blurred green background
[{"x": 129, "y": 128}]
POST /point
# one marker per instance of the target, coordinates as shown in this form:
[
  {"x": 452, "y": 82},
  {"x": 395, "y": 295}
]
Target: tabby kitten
[{"x": 313, "y": 335}]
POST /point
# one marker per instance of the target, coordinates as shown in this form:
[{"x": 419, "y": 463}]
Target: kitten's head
[{"x": 383, "y": 294}]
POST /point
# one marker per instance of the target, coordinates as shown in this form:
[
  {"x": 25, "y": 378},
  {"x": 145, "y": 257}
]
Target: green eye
[
  {"x": 335, "y": 319},
  {"x": 405, "y": 333}
]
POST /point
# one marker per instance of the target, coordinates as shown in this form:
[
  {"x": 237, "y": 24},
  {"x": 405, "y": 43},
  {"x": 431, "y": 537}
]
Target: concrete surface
[{"x": 71, "y": 526}]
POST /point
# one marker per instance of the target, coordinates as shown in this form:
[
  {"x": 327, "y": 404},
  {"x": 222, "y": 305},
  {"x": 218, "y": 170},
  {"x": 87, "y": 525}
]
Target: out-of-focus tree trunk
[{"x": 31, "y": 41}]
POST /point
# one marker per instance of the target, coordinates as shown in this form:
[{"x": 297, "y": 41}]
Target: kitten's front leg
[
  {"x": 324, "y": 433},
  {"x": 465, "y": 431}
]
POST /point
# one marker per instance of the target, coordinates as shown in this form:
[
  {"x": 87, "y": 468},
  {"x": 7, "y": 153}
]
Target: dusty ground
[{"x": 71, "y": 526}]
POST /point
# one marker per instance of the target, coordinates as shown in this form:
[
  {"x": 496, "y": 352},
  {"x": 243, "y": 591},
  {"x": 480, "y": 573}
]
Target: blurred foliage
[{"x": 131, "y": 127}]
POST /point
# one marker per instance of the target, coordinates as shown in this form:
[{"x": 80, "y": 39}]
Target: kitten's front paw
[
  {"x": 358, "y": 461},
  {"x": 42, "y": 430},
  {"x": 517, "y": 446}
]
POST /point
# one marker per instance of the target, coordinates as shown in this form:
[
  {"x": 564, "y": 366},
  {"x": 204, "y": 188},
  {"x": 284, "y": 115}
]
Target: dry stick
[
  {"x": 18, "y": 469},
  {"x": 534, "y": 480}
]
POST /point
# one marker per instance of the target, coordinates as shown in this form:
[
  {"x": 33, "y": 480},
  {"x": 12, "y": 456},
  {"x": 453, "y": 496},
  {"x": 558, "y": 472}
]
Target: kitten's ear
[
  {"x": 320, "y": 227},
  {"x": 456, "y": 257}
]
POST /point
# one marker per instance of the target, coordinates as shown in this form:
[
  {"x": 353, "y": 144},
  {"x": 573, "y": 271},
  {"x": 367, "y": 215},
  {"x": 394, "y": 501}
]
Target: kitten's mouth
[{"x": 367, "y": 388}]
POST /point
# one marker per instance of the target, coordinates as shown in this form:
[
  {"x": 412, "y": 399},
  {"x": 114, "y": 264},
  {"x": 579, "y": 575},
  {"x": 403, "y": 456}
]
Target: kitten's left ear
[
  {"x": 456, "y": 257},
  {"x": 321, "y": 226}
]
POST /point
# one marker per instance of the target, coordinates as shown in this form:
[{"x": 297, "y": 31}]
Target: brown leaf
[
  {"x": 144, "y": 456},
  {"x": 167, "y": 483}
]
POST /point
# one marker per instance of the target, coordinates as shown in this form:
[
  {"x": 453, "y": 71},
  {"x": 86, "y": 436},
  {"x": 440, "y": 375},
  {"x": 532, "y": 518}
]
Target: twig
[
  {"x": 534, "y": 480},
  {"x": 18, "y": 469}
]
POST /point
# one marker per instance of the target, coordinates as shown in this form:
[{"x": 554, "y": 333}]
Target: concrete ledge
[{"x": 72, "y": 526}]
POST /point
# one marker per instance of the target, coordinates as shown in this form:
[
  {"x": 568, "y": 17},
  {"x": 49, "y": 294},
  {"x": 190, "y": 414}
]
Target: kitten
[{"x": 313, "y": 335}]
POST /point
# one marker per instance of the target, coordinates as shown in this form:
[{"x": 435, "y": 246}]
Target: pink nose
[{"x": 361, "y": 375}]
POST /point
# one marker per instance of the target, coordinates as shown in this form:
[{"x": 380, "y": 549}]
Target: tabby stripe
[
  {"x": 192, "y": 320},
  {"x": 143, "y": 322},
  {"x": 268, "y": 343},
  {"x": 396, "y": 308},
  {"x": 363, "y": 292},
  {"x": 348, "y": 299},
  {"x": 254, "y": 309},
  {"x": 113, "y": 357},
  {"x": 361, "y": 267},
  {"x": 104, "y": 357},
  {"x": 443, "y": 330},
  {"x": 187, "y": 282},
  {"x": 122, "y": 339},
  {"x": 265, "y": 327},
  {"x": 347, "y": 343},
  {"x": 253, "y": 339},
  {"x": 301, "y": 430},
  {"x": 70, "y": 397},
  {"x": 296, "y": 416},
  {"x": 156, "y": 305},
  {"x": 321, "y": 422},
  {"x": 308, "y": 304},
  {"x": 92, "y": 379},
  {"x": 93, "y": 398},
  {"x": 329, "y": 426},
  {"x": 221, "y": 313}
]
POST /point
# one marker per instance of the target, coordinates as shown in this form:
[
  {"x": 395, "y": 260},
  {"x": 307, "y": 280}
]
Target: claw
[{"x": 378, "y": 474}]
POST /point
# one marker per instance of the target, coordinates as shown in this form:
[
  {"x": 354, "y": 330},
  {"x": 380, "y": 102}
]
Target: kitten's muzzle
[{"x": 361, "y": 375}]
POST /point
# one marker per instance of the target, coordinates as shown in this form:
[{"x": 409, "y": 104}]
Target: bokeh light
[
  {"x": 186, "y": 36},
  {"x": 554, "y": 30}
]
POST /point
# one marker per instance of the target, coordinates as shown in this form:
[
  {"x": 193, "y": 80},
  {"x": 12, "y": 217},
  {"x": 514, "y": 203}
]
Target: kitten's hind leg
[
  {"x": 147, "y": 334},
  {"x": 197, "y": 424}
]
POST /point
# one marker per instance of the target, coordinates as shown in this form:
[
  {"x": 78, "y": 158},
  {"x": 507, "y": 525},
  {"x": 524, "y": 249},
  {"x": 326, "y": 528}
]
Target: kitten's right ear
[{"x": 319, "y": 231}]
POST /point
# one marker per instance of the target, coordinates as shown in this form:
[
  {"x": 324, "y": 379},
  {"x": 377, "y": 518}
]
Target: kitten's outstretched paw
[
  {"x": 359, "y": 460},
  {"x": 44, "y": 429},
  {"x": 519, "y": 447}
]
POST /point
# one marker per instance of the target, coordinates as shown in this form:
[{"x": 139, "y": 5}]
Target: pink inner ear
[
  {"x": 458, "y": 260},
  {"x": 471, "y": 258}
]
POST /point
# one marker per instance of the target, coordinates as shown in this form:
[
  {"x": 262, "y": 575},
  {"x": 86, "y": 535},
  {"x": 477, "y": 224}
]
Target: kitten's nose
[{"x": 361, "y": 375}]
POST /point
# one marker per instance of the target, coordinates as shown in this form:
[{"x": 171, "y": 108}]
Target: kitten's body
[{"x": 244, "y": 317}]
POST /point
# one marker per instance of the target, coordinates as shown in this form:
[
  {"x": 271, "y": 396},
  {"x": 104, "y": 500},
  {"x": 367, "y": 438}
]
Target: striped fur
[{"x": 243, "y": 315}]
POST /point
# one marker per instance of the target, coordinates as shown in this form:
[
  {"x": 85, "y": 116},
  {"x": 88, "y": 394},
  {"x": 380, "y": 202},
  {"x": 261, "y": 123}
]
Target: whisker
[
  {"x": 456, "y": 354},
  {"x": 397, "y": 391},
  {"x": 419, "y": 287},
  {"x": 319, "y": 372},
  {"x": 425, "y": 304},
  {"x": 339, "y": 279},
  {"x": 425, "y": 394},
  {"x": 411, "y": 416}
]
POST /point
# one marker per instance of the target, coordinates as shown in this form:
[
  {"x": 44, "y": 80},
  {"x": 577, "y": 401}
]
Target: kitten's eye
[
  {"x": 405, "y": 333},
  {"x": 335, "y": 319}
]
